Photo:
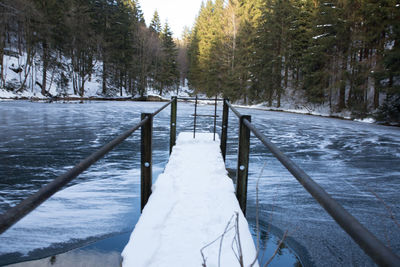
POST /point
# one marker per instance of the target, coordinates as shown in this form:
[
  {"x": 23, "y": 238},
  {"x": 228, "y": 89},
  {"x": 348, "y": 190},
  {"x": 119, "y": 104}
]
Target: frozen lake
[{"x": 358, "y": 164}]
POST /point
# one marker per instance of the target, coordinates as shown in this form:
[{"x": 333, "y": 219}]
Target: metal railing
[
  {"x": 371, "y": 245},
  {"x": 16, "y": 213},
  {"x": 365, "y": 239},
  {"x": 195, "y": 115}
]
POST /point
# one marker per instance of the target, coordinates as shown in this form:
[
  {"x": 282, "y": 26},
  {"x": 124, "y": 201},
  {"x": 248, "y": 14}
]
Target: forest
[
  {"x": 344, "y": 54},
  {"x": 67, "y": 42},
  {"x": 341, "y": 53}
]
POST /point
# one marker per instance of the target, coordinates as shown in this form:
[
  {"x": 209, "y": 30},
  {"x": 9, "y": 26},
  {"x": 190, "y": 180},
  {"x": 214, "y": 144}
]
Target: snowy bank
[
  {"x": 191, "y": 217},
  {"x": 318, "y": 110}
]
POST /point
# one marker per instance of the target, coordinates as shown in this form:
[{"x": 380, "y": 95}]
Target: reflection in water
[
  {"x": 107, "y": 252},
  {"x": 76, "y": 259},
  {"x": 273, "y": 250}
]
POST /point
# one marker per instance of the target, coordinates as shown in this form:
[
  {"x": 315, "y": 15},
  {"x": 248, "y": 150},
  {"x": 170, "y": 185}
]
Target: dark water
[{"x": 357, "y": 163}]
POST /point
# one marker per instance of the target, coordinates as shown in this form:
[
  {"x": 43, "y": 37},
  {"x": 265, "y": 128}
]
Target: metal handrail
[
  {"x": 195, "y": 115},
  {"x": 162, "y": 108},
  {"x": 199, "y": 98},
  {"x": 16, "y": 213},
  {"x": 237, "y": 113},
  {"x": 371, "y": 245}
]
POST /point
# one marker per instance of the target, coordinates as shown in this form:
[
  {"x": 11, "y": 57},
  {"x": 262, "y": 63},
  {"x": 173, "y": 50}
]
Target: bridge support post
[
  {"x": 146, "y": 160},
  {"x": 195, "y": 117},
  {"x": 243, "y": 163},
  {"x": 172, "y": 138},
  {"x": 215, "y": 117},
  {"x": 224, "y": 131}
]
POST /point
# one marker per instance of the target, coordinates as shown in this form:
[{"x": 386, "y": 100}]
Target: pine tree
[
  {"x": 82, "y": 46},
  {"x": 387, "y": 79},
  {"x": 169, "y": 77},
  {"x": 49, "y": 17},
  {"x": 155, "y": 24},
  {"x": 206, "y": 70},
  {"x": 183, "y": 62}
]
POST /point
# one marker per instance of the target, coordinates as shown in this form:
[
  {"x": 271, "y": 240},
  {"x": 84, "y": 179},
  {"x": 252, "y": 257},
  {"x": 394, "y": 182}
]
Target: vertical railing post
[
  {"x": 215, "y": 117},
  {"x": 224, "y": 131},
  {"x": 146, "y": 159},
  {"x": 172, "y": 138},
  {"x": 195, "y": 117},
  {"x": 243, "y": 163}
]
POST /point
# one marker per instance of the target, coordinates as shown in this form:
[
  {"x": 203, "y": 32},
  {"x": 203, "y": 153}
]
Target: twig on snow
[
  {"x": 236, "y": 240},
  {"x": 222, "y": 239},
  {"x": 204, "y": 264}
]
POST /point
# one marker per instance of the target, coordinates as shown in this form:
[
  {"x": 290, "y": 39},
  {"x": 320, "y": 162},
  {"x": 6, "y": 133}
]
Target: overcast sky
[{"x": 178, "y": 13}]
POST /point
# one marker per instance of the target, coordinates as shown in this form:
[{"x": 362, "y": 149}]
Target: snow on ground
[
  {"x": 16, "y": 71},
  {"x": 292, "y": 101},
  {"x": 316, "y": 110},
  {"x": 16, "y": 62},
  {"x": 192, "y": 205},
  {"x": 366, "y": 120}
]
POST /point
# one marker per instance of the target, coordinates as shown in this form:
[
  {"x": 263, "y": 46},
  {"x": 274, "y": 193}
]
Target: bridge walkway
[{"x": 192, "y": 217}]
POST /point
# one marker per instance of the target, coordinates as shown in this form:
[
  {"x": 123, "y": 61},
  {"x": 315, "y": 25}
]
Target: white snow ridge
[{"x": 192, "y": 217}]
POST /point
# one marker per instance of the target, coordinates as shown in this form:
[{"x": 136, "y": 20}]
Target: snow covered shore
[
  {"x": 323, "y": 111},
  {"x": 192, "y": 217}
]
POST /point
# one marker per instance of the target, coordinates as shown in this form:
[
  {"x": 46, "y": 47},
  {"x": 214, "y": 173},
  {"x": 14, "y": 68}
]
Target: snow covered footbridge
[{"x": 191, "y": 216}]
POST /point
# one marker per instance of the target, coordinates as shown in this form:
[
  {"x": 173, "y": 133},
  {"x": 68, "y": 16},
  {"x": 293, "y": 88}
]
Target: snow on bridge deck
[{"x": 192, "y": 204}]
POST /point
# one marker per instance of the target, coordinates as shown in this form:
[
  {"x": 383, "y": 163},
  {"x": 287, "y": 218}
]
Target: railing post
[
  {"x": 243, "y": 163},
  {"x": 146, "y": 160},
  {"x": 224, "y": 131},
  {"x": 215, "y": 117},
  {"x": 172, "y": 138},
  {"x": 195, "y": 117}
]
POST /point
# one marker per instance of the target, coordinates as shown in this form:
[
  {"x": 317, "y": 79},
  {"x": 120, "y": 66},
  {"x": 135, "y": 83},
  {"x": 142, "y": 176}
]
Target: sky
[{"x": 178, "y": 13}]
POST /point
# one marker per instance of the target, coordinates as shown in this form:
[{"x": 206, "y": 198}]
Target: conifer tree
[
  {"x": 169, "y": 67},
  {"x": 155, "y": 24}
]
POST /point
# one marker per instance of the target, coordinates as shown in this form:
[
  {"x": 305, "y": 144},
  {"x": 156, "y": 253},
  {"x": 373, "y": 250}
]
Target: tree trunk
[
  {"x": 278, "y": 81},
  {"x": 104, "y": 76},
  {"x": 2, "y": 45},
  {"x": 45, "y": 65},
  {"x": 351, "y": 90},
  {"x": 74, "y": 83},
  {"x": 120, "y": 83},
  {"x": 2, "y": 82},
  {"x": 376, "y": 97},
  {"x": 28, "y": 65},
  {"x": 379, "y": 60},
  {"x": 19, "y": 38},
  {"x": 286, "y": 71},
  {"x": 278, "y": 105},
  {"x": 233, "y": 41},
  {"x": 342, "y": 89},
  {"x": 82, "y": 87},
  {"x": 53, "y": 72},
  {"x": 270, "y": 94}
]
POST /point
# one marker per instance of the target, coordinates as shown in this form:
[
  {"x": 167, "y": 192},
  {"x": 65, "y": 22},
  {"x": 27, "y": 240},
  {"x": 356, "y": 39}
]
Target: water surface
[{"x": 358, "y": 164}]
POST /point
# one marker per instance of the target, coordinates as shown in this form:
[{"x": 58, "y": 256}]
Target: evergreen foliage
[
  {"x": 344, "y": 54},
  {"x": 341, "y": 53},
  {"x": 169, "y": 65},
  {"x": 74, "y": 37}
]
